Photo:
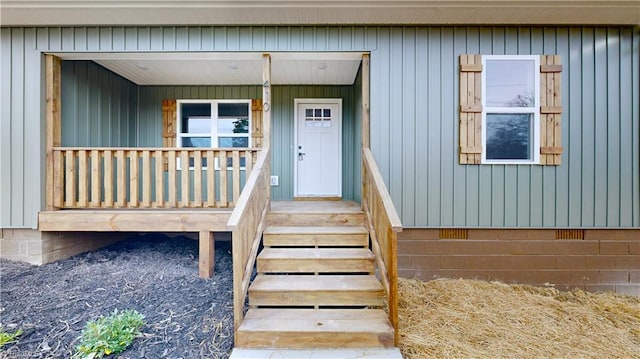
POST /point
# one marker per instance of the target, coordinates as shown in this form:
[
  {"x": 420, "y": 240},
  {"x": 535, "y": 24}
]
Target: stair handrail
[
  {"x": 246, "y": 224},
  {"x": 384, "y": 224}
]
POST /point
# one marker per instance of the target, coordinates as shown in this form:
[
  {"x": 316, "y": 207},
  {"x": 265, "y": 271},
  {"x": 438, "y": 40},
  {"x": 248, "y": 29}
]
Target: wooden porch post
[
  {"x": 266, "y": 99},
  {"x": 266, "y": 115},
  {"x": 53, "y": 119},
  {"x": 365, "y": 101},
  {"x": 207, "y": 254},
  {"x": 366, "y": 143}
]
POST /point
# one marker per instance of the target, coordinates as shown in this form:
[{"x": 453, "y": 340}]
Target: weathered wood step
[
  {"x": 315, "y": 219},
  {"x": 315, "y": 328},
  {"x": 312, "y": 260},
  {"x": 315, "y": 213},
  {"x": 316, "y": 236},
  {"x": 323, "y": 290}
]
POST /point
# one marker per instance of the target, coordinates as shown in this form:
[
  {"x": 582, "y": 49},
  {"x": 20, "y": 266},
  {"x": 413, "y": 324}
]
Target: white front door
[{"x": 318, "y": 148}]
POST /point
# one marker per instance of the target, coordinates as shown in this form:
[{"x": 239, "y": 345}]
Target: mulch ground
[{"x": 186, "y": 316}]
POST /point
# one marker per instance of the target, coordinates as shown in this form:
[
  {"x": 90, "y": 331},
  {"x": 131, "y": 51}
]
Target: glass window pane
[
  {"x": 308, "y": 112},
  {"x": 196, "y": 142},
  {"x": 327, "y": 112},
  {"x": 510, "y": 83},
  {"x": 196, "y": 124},
  {"x": 233, "y": 110},
  {"x": 509, "y": 136},
  {"x": 233, "y": 125},
  {"x": 318, "y": 112},
  {"x": 233, "y": 142},
  {"x": 198, "y": 112}
]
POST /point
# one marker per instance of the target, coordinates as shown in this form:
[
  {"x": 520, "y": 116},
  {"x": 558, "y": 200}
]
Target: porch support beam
[
  {"x": 53, "y": 119},
  {"x": 207, "y": 252},
  {"x": 266, "y": 99},
  {"x": 366, "y": 139}
]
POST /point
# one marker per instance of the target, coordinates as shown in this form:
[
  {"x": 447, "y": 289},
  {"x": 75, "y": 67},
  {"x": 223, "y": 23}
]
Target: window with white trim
[
  {"x": 511, "y": 109},
  {"x": 214, "y": 124}
]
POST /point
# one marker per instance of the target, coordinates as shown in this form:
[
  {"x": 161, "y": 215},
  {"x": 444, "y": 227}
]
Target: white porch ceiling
[
  {"x": 227, "y": 68},
  {"x": 314, "y": 12}
]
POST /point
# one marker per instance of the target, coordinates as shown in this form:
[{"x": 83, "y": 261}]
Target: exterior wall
[
  {"x": 603, "y": 260},
  {"x": 414, "y": 107},
  {"x": 98, "y": 106},
  {"x": 415, "y": 78}
]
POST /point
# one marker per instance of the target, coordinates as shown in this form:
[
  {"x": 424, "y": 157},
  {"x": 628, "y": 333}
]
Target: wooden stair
[{"x": 315, "y": 285}]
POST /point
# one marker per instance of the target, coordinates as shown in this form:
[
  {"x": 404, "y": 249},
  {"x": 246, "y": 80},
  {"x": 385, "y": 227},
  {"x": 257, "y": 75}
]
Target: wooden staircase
[{"x": 315, "y": 285}]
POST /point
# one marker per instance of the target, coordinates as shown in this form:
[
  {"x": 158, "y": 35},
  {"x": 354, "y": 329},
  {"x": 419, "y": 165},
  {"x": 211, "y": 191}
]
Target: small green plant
[
  {"x": 109, "y": 335},
  {"x": 6, "y": 338}
]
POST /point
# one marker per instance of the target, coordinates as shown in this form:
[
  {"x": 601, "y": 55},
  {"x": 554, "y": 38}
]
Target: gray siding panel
[
  {"x": 414, "y": 100},
  {"x": 6, "y": 142},
  {"x": 18, "y": 137},
  {"x": 21, "y": 129},
  {"x": 97, "y": 106}
]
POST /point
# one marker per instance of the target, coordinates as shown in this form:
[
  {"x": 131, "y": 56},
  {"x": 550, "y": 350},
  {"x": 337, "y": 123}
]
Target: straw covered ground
[{"x": 475, "y": 319}]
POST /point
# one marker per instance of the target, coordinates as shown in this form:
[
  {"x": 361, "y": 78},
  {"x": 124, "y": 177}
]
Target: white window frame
[
  {"x": 213, "y": 134},
  {"x": 535, "y": 109}
]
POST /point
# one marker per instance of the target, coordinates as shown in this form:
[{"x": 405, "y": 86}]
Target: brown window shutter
[
  {"x": 256, "y": 125},
  {"x": 169, "y": 125},
  {"x": 470, "y": 109},
  {"x": 550, "y": 110}
]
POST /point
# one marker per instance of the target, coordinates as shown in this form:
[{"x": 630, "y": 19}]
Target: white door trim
[{"x": 296, "y": 103}]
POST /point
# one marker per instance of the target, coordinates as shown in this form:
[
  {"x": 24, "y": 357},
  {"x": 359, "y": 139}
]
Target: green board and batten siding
[
  {"x": 98, "y": 107},
  {"x": 414, "y": 128}
]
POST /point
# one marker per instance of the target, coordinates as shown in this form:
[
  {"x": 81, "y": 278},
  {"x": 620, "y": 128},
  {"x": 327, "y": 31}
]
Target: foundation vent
[
  {"x": 570, "y": 234},
  {"x": 454, "y": 233}
]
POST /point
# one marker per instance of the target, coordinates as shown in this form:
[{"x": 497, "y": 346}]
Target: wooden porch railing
[
  {"x": 384, "y": 224},
  {"x": 149, "y": 177},
  {"x": 247, "y": 222}
]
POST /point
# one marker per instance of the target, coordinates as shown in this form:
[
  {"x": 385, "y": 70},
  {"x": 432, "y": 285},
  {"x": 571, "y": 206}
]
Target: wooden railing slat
[
  {"x": 70, "y": 178},
  {"x": 159, "y": 164},
  {"x": 146, "y": 178},
  {"x": 134, "y": 178},
  {"x": 83, "y": 179},
  {"x": 197, "y": 179},
  {"x": 248, "y": 164},
  {"x": 222, "y": 159},
  {"x": 184, "y": 184},
  {"x": 96, "y": 179},
  {"x": 121, "y": 187},
  {"x": 108, "y": 178},
  {"x": 211, "y": 179},
  {"x": 58, "y": 179},
  {"x": 173, "y": 195},
  {"x": 236, "y": 175}
]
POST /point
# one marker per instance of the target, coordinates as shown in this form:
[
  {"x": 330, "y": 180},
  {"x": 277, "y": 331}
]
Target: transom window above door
[{"x": 214, "y": 123}]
